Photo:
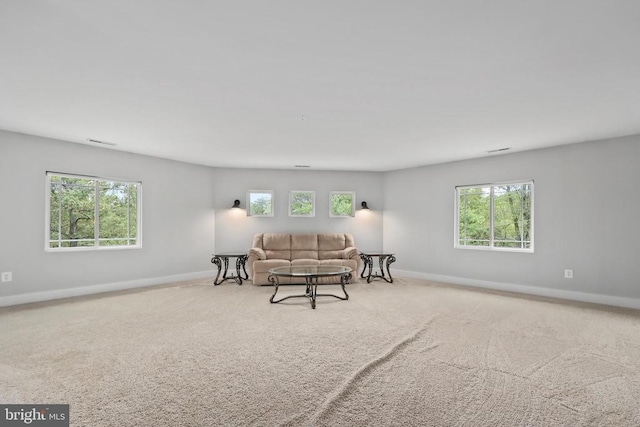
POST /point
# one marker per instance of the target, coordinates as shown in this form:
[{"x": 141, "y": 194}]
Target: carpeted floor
[{"x": 411, "y": 353}]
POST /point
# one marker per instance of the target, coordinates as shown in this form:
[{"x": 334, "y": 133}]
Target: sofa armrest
[
  {"x": 351, "y": 253},
  {"x": 257, "y": 253},
  {"x": 254, "y": 254}
]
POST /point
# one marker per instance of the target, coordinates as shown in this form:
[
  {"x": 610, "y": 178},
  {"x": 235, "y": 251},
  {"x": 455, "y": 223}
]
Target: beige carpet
[{"x": 411, "y": 353}]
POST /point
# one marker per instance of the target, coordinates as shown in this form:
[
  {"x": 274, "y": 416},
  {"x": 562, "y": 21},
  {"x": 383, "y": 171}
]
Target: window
[
  {"x": 302, "y": 203},
  {"x": 495, "y": 216},
  {"x": 91, "y": 213},
  {"x": 259, "y": 203},
  {"x": 342, "y": 203}
]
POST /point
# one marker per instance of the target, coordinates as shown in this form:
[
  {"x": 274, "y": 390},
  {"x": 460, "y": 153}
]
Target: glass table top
[
  {"x": 376, "y": 253},
  {"x": 310, "y": 270}
]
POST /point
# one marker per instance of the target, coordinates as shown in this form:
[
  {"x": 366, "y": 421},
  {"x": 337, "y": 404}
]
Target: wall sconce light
[
  {"x": 236, "y": 204},
  {"x": 364, "y": 205}
]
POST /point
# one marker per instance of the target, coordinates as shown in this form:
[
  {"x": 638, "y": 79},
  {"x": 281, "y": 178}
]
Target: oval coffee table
[{"x": 311, "y": 274}]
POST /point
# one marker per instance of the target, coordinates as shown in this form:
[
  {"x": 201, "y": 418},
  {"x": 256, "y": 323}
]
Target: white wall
[
  {"x": 586, "y": 211},
  {"x": 185, "y": 217},
  {"x": 177, "y": 220},
  {"x": 586, "y": 215},
  {"x": 235, "y": 231}
]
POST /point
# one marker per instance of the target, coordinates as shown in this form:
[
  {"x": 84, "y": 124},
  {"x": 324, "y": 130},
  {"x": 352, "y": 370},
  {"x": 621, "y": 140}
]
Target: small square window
[
  {"x": 342, "y": 203},
  {"x": 259, "y": 203},
  {"x": 302, "y": 203}
]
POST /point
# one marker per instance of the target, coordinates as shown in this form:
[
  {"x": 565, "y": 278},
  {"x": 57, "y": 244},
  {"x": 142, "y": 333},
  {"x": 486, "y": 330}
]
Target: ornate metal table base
[
  {"x": 311, "y": 292},
  {"x": 384, "y": 260},
  {"x": 221, "y": 260}
]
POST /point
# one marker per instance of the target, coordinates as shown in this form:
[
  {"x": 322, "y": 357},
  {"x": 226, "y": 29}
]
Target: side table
[
  {"x": 384, "y": 260},
  {"x": 221, "y": 260}
]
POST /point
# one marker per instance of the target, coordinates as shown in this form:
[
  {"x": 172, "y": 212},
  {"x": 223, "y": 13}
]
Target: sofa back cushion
[
  {"x": 304, "y": 246},
  {"x": 277, "y": 246},
  {"x": 331, "y": 245}
]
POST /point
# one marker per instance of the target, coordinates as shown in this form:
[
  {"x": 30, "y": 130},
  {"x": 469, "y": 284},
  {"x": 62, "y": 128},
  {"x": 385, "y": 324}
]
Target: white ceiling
[{"x": 337, "y": 84}]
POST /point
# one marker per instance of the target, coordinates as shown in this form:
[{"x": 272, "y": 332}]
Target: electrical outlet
[
  {"x": 7, "y": 276},
  {"x": 568, "y": 274}
]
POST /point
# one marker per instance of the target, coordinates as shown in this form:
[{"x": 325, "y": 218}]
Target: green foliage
[
  {"x": 342, "y": 204},
  {"x": 301, "y": 203},
  {"x": 511, "y": 220},
  {"x": 512, "y": 216},
  {"x": 118, "y": 217},
  {"x": 475, "y": 216},
  {"x": 73, "y": 212},
  {"x": 260, "y": 204}
]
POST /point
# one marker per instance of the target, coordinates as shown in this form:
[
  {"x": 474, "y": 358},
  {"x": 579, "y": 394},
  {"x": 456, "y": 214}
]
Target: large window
[
  {"x": 495, "y": 216},
  {"x": 91, "y": 213}
]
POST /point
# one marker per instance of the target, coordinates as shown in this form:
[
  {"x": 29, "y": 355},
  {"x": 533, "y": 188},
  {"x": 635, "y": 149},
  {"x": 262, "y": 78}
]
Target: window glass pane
[
  {"x": 260, "y": 203},
  {"x": 54, "y": 215},
  {"x": 116, "y": 211},
  {"x": 342, "y": 203},
  {"x": 512, "y": 209},
  {"x": 75, "y": 212},
  {"x": 133, "y": 213},
  {"x": 301, "y": 203},
  {"x": 474, "y": 216}
]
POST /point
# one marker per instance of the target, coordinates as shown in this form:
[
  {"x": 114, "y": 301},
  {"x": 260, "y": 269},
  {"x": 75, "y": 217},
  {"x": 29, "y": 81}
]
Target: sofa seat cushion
[
  {"x": 304, "y": 261},
  {"x": 340, "y": 262},
  {"x": 304, "y": 255},
  {"x": 261, "y": 270},
  {"x": 264, "y": 265}
]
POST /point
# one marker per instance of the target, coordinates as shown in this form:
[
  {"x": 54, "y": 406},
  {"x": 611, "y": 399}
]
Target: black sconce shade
[
  {"x": 236, "y": 204},
  {"x": 364, "y": 205}
]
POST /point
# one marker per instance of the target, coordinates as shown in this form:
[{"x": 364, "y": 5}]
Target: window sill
[
  {"x": 494, "y": 249},
  {"x": 92, "y": 248}
]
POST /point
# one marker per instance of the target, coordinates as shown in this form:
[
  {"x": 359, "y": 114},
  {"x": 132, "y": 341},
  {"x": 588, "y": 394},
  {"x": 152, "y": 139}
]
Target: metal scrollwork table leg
[
  {"x": 311, "y": 291},
  {"x": 222, "y": 262},
  {"x": 384, "y": 260}
]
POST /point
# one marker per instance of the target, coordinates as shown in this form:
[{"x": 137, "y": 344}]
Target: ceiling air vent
[
  {"x": 95, "y": 141},
  {"x": 497, "y": 150}
]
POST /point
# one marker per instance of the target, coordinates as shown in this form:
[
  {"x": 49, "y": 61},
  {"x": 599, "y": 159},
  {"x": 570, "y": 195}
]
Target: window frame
[
  {"x": 492, "y": 247},
  {"x": 313, "y": 204},
  {"x": 353, "y": 204},
  {"x": 249, "y": 213},
  {"x": 96, "y": 238}
]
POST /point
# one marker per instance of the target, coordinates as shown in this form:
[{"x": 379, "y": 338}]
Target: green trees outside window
[
  {"x": 342, "y": 203},
  {"x": 260, "y": 203},
  {"x": 302, "y": 203},
  {"x": 87, "y": 212},
  {"x": 495, "y": 216}
]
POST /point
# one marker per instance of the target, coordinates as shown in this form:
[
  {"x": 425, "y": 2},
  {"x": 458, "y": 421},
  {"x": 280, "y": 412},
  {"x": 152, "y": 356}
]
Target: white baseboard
[
  {"x": 97, "y": 289},
  {"x": 499, "y": 286},
  {"x": 524, "y": 289}
]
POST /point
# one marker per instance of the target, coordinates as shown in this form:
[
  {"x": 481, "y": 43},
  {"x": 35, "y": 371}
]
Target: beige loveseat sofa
[{"x": 270, "y": 250}]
